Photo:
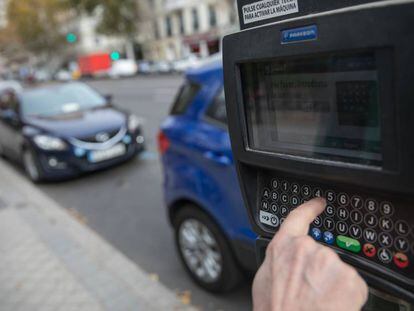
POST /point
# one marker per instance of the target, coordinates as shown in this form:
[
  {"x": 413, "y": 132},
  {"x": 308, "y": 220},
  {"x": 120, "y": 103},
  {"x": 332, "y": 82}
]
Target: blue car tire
[{"x": 204, "y": 251}]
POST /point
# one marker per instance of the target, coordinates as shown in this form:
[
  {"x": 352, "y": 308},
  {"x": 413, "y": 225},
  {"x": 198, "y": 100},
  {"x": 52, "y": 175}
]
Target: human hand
[{"x": 300, "y": 274}]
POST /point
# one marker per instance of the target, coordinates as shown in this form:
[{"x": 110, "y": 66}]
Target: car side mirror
[
  {"x": 10, "y": 116},
  {"x": 108, "y": 98}
]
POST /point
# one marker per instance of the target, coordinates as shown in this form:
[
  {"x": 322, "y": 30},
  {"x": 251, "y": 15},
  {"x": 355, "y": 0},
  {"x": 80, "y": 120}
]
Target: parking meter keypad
[{"x": 360, "y": 224}]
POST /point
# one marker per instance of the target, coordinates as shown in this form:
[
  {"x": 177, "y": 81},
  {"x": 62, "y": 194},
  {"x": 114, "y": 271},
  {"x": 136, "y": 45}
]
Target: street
[{"x": 125, "y": 204}]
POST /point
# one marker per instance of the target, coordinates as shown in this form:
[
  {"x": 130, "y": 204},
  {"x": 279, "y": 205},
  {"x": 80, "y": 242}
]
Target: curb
[{"x": 78, "y": 247}]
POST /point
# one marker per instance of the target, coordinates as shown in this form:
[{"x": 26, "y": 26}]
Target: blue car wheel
[{"x": 204, "y": 251}]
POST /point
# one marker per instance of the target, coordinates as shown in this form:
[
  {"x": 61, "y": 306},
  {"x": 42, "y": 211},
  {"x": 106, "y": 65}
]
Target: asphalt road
[{"x": 125, "y": 204}]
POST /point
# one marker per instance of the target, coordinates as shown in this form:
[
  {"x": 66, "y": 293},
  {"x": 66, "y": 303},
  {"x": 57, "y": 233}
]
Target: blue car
[
  {"x": 212, "y": 232},
  {"x": 62, "y": 130}
]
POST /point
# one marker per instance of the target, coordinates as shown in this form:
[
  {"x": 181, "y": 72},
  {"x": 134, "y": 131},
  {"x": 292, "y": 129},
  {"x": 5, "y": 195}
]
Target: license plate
[{"x": 102, "y": 155}]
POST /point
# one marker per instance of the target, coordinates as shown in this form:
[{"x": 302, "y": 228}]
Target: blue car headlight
[
  {"x": 133, "y": 123},
  {"x": 49, "y": 143}
]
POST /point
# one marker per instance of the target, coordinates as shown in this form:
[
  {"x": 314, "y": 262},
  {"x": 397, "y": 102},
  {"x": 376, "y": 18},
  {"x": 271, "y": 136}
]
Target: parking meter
[{"x": 320, "y": 103}]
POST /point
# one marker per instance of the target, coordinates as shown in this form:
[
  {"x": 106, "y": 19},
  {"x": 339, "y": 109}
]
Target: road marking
[{"x": 148, "y": 155}]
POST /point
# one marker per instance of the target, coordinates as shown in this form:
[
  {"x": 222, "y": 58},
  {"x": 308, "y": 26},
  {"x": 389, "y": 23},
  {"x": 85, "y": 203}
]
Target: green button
[{"x": 348, "y": 243}]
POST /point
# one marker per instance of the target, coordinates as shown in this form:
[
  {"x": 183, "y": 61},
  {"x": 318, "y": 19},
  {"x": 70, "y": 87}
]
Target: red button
[
  {"x": 369, "y": 250},
  {"x": 401, "y": 260}
]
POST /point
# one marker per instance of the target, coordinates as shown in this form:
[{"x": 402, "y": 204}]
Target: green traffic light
[
  {"x": 115, "y": 55},
  {"x": 71, "y": 37}
]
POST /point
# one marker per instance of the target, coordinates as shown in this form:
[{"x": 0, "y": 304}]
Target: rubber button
[
  {"x": 401, "y": 260},
  {"x": 369, "y": 250},
  {"x": 316, "y": 234},
  {"x": 348, "y": 243}
]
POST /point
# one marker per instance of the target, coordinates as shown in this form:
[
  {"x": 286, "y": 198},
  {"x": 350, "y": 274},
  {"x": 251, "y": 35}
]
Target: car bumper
[{"x": 60, "y": 165}]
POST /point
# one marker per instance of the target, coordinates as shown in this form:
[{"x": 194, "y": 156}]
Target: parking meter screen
[{"x": 324, "y": 107}]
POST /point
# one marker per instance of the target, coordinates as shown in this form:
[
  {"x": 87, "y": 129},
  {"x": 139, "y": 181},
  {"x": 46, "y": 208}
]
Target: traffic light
[
  {"x": 71, "y": 37},
  {"x": 115, "y": 55}
]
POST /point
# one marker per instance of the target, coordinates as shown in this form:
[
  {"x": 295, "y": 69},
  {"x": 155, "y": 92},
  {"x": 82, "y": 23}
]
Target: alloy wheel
[{"x": 200, "y": 250}]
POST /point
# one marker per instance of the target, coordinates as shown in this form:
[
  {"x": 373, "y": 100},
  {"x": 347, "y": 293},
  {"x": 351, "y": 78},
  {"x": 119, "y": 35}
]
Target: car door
[
  {"x": 217, "y": 162},
  {"x": 10, "y": 124}
]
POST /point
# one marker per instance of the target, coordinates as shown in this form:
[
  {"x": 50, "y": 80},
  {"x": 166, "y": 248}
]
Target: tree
[
  {"x": 36, "y": 24},
  {"x": 117, "y": 18}
]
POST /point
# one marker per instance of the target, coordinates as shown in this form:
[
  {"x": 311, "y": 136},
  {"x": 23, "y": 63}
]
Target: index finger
[{"x": 298, "y": 221}]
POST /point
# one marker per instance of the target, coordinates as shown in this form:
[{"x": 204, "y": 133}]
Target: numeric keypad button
[
  {"x": 284, "y": 211},
  {"x": 341, "y": 227},
  {"x": 266, "y": 193},
  {"x": 386, "y": 224},
  {"x": 385, "y": 239},
  {"x": 317, "y": 192},
  {"x": 355, "y": 231},
  {"x": 275, "y": 184},
  {"x": 329, "y": 224},
  {"x": 330, "y": 196},
  {"x": 295, "y": 188},
  {"x": 317, "y": 222},
  {"x": 356, "y": 216},
  {"x": 343, "y": 199},
  {"x": 370, "y": 235},
  {"x": 284, "y": 185},
  {"x": 371, "y": 205},
  {"x": 342, "y": 213},
  {"x": 386, "y": 209},
  {"x": 284, "y": 198},
  {"x": 274, "y": 195},
  {"x": 294, "y": 201},
  {"x": 329, "y": 210},
  {"x": 401, "y": 244},
  {"x": 371, "y": 220},
  {"x": 402, "y": 227},
  {"x": 306, "y": 191},
  {"x": 274, "y": 208},
  {"x": 357, "y": 202}
]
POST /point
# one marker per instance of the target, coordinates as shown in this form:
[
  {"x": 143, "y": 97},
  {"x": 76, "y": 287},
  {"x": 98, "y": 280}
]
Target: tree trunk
[{"x": 129, "y": 49}]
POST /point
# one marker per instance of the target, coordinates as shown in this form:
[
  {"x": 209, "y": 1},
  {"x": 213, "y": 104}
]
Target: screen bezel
[{"x": 387, "y": 114}]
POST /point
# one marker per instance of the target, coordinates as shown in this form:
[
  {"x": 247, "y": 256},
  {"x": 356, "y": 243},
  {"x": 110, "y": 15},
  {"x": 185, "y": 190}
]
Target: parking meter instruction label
[{"x": 266, "y": 9}]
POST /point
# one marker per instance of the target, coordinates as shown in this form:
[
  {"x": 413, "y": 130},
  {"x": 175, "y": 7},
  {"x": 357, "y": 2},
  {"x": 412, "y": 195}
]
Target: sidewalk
[{"x": 50, "y": 261}]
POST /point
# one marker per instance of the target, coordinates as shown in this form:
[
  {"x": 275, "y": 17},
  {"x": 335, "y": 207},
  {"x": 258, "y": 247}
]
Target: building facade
[
  {"x": 175, "y": 29},
  {"x": 3, "y": 13}
]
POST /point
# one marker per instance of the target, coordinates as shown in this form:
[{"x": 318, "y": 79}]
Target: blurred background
[
  {"x": 115, "y": 110},
  {"x": 69, "y": 39}
]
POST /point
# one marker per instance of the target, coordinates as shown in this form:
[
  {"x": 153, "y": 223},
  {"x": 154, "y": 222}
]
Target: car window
[
  {"x": 184, "y": 97},
  {"x": 217, "y": 109},
  {"x": 58, "y": 100}
]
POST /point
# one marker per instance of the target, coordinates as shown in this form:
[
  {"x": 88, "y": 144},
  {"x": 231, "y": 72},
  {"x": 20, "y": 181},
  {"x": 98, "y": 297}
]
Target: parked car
[
  {"x": 162, "y": 67},
  {"x": 123, "y": 68},
  {"x": 63, "y": 75},
  {"x": 94, "y": 65},
  {"x": 11, "y": 85},
  {"x": 145, "y": 67},
  {"x": 42, "y": 75},
  {"x": 185, "y": 64},
  {"x": 213, "y": 235},
  {"x": 63, "y": 130}
]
